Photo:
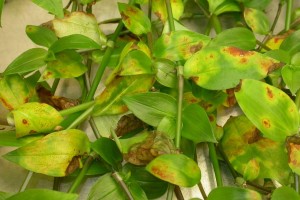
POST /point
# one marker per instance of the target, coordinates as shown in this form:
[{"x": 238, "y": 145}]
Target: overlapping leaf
[
  {"x": 233, "y": 193},
  {"x": 290, "y": 44},
  {"x": 257, "y": 20},
  {"x": 285, "y": 192},
  {"x": 53, "y": 6},
  {"x": 56, "y": 154},
  {"x": 41, "y": 35},
  {"x": 165, "y": 73},
  {"x": 211, "y": 67},
  {"x": 269, "y": 109},
  {"x": 8, "y": 138},
  {"x": 290, "y": 75},
  {"x": 160, "y": 10},
  {"x": 218, "y": 7}
]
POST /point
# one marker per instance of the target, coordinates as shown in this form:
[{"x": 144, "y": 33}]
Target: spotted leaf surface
[
  {"x": 242, "y": 140},
  {"x": 293, "y": 147},
  {"x": 257, "y": 20},
  {"x": 177, "y": 169},
  {"x": 221, "y": 68},
  {"x": 160, "y": 10},
  {"x": 269, "y": 109},
  {"x": 57, "y": 154},
  {"x": 179, "y": 45}
]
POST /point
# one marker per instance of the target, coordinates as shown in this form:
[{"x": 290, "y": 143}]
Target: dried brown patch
[
  {"x": 254, "y": 136},
  {"x": 270, "y": 93},
  {"x": 128, "y": 123},
  {"x": 25, "y": 122},
  {"x": 238, "y": 52},
  {"x": 162, "y": 173},
  {"x": 266, "y": 123},
  {"x": 195, "y": 48},
  {"x": 73, "y": 165}
]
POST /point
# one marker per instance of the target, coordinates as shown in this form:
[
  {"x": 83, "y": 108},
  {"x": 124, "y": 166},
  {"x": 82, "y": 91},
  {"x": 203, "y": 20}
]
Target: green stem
[
  {"x": 215, "y": 163},
  {"x": 116, "y": 176},
  {"x": 26, "y": 181},
  {"x": 54, "y": 85},
  {"x": 94, "y": 127},
  {"x": 110, "y": 21},
  {"x": 114, "y": 135},
  {"x": 56, "y": 183},
  {"x": 178, "y": 193},
  {"x": 179, "y": 106},
  {"x": 216, "y": 23},
  {"x": 203, "y": 10},
  {"x": 74, "y": 6},
  {"x": 68, "y": 5},
  {"x": 82, "y": 173},
  {"x": 231, "y": 169},
  {"x": 288, "y": 16},
  {"x": 75, "y": 109},
  {"x": 202, "y": 191},
  {"x": 170, "y": 16},
  {"x": 81, "y": 118},
  {"x": 170, "y": 192},
  {"x": 297, "y": 100}
]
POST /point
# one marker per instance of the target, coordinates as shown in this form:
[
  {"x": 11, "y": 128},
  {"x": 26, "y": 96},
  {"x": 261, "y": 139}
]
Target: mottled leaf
[
  {"x": 79, "y": 23},
  {"x": 28, "y": 61},
  {"x": 218, "y": 7},
  {"x": 38, "y": 194},
  {"x": 134, "y": 19},
  {"x": 285, "y": 192},
  {"x": 177, "y": 169},
  {"x": 40, "y": 35},
  {"x": 75, "y": 41},
  {"x": 55, "y": 7},
  {"x": 165, "y": 73},
  {"x": 269, "y": 109},
  {"x": 290, "y": 75},
  {"x": 151, "y": 107},
  {"x": 196, "y": 125},
  {"x": 8, "y": 138},
  {"x": 40, "y": 156},
  {"x": 257, "y": 20},
  {"x": 67, "y": 64},
  {"x": 179, "y": 45},
  {"x": 228, "y": 37},
  {"x": 242, "y": 140},
  {"x": 291, "y": 44},
  {"x": 211, "y": 67},
  {"x": 110, "y": 100},
  {"x": 233, "y": 193},
  {"x": 160, "y": 10}
]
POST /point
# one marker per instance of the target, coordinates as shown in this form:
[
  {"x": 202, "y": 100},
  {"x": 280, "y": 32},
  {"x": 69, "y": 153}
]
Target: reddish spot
[
  {"x": 24, "y": 121},
  {"x": 238, "y": 52},
  {"x": 6, "y": 104},
  {"x": 162, "y": 174},
  {"x": 195, "y": 48},
  {"x": 193, "y": 100},
  {"x": 266, "y": 123},
  {"x": 270, "y": 93}
]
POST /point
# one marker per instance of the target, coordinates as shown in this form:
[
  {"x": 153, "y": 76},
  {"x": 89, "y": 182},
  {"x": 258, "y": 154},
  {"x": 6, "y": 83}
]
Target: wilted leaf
[
  {"x": 151, "y": 107},
  {"x": 68, "y": 64},
  {"x": 179, "y": 45},
  {"x": 8, "y": 138},
  {"x": 233, "y": 193},
  {"x": 28, "y": 61},
  {"x": 134, "y": 19},
  {"x": 269, "y": 109},
  {"x": 196, "y": 125},
  {"x": 129, "y": 123},
  {"x": 40, "y": 156},
  {"x": 285, "y": 192},
  {"x": 257, "y": 20},
  {"x": 291, "y": 44},
  {"x": 228, "y": 37},
  {"x": 15, "y": 91},
  {"x": 218, "y": 7},
  {"x": 53, "y": 6},
  {"x": 211, "y": 67},
  {"x": 79, "y": 23},
  {"x": 242, "y": 140},
  {"x": 177, "y": 169},
  {"x": 41, "y": 35},
  {"x": 290, "y": 75},
  {"x": 38, "y": 194},
  {"x": 160, "y": 10},
  {"x": 110, "y": 100}
]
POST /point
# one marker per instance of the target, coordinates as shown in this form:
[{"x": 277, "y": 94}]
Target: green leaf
[
  {"x": 38, "y": 194},
  {"x": 127, "y": 143},
  {"x": 68, "y": 64},
  {"x": 135, "y": 189},
  {"x": 233, "y": 193},
  {"x": 160, "y": 10},
  {"x": 106, "y": 188},
  {"x": 285, "y": 192},
  {"x": 110, "y": 100},
  {"x": 228, "y": 37},
  {"x": 4, "y": 195},
  {"x": 108, "y": 151},
  {"x": 8, "y": 138},
  {"x": 269, "y": 109},
  {"x": 179, "y": 45},
  {"x": 211, "y": 67},
  {"x": 177, "y": 169},
  {"x": 290, "y": 75},
  {"x": 257, "y": 20},
  {"x": 75, "y": 41},
  {"x": 152, "y": 186},
  {"x": 28, "y": 61},
  {"x": 279, "y": 55},
  {"x": 151, "y": 107},
  {"x": 196, "y": 125},
  {"x": 165, "y": 73},
  {"x": 291, "y": 44},
  {"x": 257, "y": 4},
  {"x": 1, "y": 8},
  {"x": 242, "y": 140},
  {"x": 134, "y": 19},
  {"x": 79, "y": 23},
  {"x": 218, "y": 7},
  {"x": 167, "y": 126},
  {"x": 41, "y": 35},
  {"x": 15, "y": 91},
  {"x": 53, "y": 6},
  {"x": 98, "y": 167},
  {"x": 40, "y": 156},
  {"x": 106, "y": 123}
]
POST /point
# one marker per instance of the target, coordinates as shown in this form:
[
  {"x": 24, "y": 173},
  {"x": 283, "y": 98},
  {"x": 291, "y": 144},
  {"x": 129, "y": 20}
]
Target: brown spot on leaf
[
  {"x": 195, "y": 48},
  {"x": 254, "y": 136},
  {"x": 270, "y": 93},
  {"x": 25, "y": 122},
  {"x": 162, "y": 173},
  {"x": 238, "y": 52},
  {"x": 158, "y": 14},
  {"x": 128, "y": 123},
  {"x": 6, "y": 104},
  {"x": 266, "y": 123},
  {"x": 243, "y": 60},
  {"x": 73, "y": 165},
  {"x": 195, "y": 78},
  {"x": 211, "y": 55},
  {"x": 231, "y": 100}
]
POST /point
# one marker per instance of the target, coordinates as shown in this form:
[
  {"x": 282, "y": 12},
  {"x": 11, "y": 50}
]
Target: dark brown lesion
[
  {"x": 73, "y": 165},
  {"x": 270, "y": 93},
  {"x": 253, "y": 136},
  {"x": 195, "y": 48},
  {"x": 238, "y": 52}
]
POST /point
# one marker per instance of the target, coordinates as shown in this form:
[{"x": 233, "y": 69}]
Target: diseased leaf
[
  {"x": 79, "y": 23},
  {"x": 177, "y": 169},
  {"x": 40, "y": 156},
  {"x": 8, "y": 138},
  {"x": 269, "y": 109},
  {"x": 38, "y": 194},
  {"x": 179, "y": 45},
  {"x": 134, "y": 19},
  {"x": 233, "y": 193},
  {"x": 211, "y": 67},
  {"x": 40, "y": 35},
  {"x": 160, "y": 10},
  {"x": 68, "y": 64},
  {"x": 257, "y": 20},
  {"x": 110, "y": 100},
  {"x": 28, "y": 61},
  {"x": 242, "y": 140},
  {"x": 106, "y": 123},
  {"x": 293, "y": 145},
  {"x": 285, "y": 192},
  {"x": 151, "y": 107},
  {"x": 53, "y": 6},
  {"x": 290, "y": 75},
  {"x": 196, "y": 125}
]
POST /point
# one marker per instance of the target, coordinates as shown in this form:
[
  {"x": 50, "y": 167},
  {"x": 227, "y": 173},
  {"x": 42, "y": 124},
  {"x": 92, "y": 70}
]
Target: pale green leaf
[
  {"x": 160, "y": 10},
  {"x": 53, "y": 6},
  {"x": 257, "y": 20},
  {"x": 8, "y": 138},
  {"x": 291, "y": 44},
  {"x": 165, "y": 73}
]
